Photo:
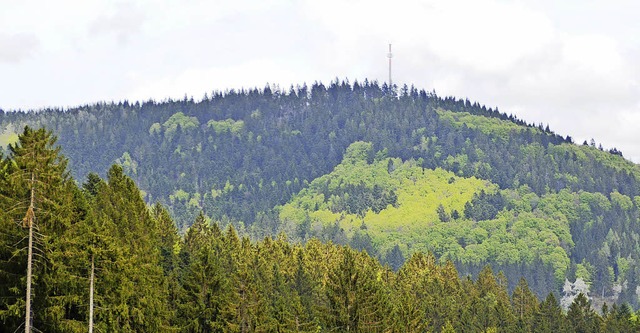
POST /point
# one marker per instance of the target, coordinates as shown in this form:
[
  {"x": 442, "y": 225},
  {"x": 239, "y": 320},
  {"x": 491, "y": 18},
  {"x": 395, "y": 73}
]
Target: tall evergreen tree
[
  {"x": 133, "y": 284},
  {"x": 38, "y": 193},
  {"x": 582, "y": 317},
  {"x": 525, "y": 305},
  {"x": 352, "y": 291},
  {"x": 549, "y": 317},
  {"x": 205, "y": 288}
]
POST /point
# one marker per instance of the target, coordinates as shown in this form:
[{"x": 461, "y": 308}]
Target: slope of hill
[
  {"x": 253, "y": 158},
  {"x": 387, "y": 203}
]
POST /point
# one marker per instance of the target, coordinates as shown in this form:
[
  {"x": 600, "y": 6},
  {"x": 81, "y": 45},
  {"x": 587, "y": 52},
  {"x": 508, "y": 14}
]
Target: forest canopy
[
  {"x": 392, "y": 171},
  {"x": 110, "y": 261}
]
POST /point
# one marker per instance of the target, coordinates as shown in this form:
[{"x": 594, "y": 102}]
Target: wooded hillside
[
  {"x": 482, "y": 187},
  {"x": 105, "y": 259}
]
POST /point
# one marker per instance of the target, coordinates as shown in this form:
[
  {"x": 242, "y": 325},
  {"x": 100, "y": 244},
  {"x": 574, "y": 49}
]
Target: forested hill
[
  {"x": 101, "y": 260},
  {"x": 251, "y": 157}
]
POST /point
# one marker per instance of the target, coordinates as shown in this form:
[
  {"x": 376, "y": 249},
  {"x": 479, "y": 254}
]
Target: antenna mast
[{"x": 390, "y": 55}]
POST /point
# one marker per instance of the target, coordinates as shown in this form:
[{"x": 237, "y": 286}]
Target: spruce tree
[
  {"x": 581, "y": 316},
  {"x": 549, "y": 317},
  {"x": 525, "y": 305},
  {"x": 205, "y": 289},
  {"x": 37, "y": 194},
  {"x": 132, "y": 285}
]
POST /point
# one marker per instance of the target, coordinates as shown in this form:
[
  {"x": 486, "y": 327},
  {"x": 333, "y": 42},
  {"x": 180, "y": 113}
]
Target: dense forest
[
  {"x": 103, "y": 257},
  {"x": 386, "y": 170}
]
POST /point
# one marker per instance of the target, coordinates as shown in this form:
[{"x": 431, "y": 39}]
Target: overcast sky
[{"x": 574, "y": 65}]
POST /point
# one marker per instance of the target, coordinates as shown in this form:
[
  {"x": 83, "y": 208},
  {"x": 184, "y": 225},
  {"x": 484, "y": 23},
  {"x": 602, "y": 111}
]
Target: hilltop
[{"x": 391, "y": 172}]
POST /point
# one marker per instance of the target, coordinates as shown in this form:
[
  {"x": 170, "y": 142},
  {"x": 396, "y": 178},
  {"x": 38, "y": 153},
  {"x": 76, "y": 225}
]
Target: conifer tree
[
  {"x": 549, "y": 317},
  {"x": 618, "y": 319},
  {"x": 525, "y": 304},
  {"x": 410, "y": 294},
  {"x": 492, "y": 295},
  {"x": 205, "y": 289},
  {"x": 355, "y": 303},
  {"x": 133, "y": 286},
  {"x": 395, "y": 258},
  {"x": 306, "y": 289},
  {"x": 581, "y": 316},
  {"x": 36, "y": 193}
]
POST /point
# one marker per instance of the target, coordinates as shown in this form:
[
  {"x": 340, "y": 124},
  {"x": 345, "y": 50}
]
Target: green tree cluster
[
  {"x": 237, "y": 155},
  {"x": 107, "y": 262}
]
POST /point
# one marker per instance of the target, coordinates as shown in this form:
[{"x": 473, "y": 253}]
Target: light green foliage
[
  {"x": 533, "y": 228},
  {"x": 358, "y": 152},
  {"x": 215, "y": 193},
  {"x": 623, "y": 266},
  {"x": 621, "y": 200},
  {"x": 156, "y": 128},
  {"x": 584, "y": 271},
  {"x": 129, "y": 166},
  {"x": 546, "y": 185},
  {"x": 228, "y": 187},
  {"x": 227, "y": 126},
  {"x": 178, "y": 119},
  {"x": 194, "y": 202},
  {"x": 179, "y": 195},
  {"x": 492, "y": 126},
  {"x": 7, "y": 137},
  {"x": 419, "y": 194}
]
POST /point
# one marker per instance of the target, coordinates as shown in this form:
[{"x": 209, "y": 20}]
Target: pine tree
[
  {"x": 410, "y": 294},
  {"x": 525, "y": 305},
  {"x": 36, "y": 191},
  {"x": 12, "y": 268},
  {"x": 205, "y": 289},
  {"x": 132, "y": 286},
  {"x": 549, "y": 317},
  {"x": 307, "y": 290},
  {"x": 581, "y": 316},
  {"x": 170, "y": 245},
  {"x": 618, "y": 319},
  {"x": 395, "y": 258},
  {"x": 353, "y": 294},
  {"x": 492, "y": 295}
]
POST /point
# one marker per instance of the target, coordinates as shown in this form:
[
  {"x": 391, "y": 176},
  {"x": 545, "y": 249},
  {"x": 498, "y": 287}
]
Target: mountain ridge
[{"x": 238, "y": 155}]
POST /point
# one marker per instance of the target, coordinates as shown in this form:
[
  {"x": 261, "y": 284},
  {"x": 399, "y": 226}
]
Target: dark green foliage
[
  {"x": 150, "y": 279},
  {"x": 619, "y": 319},
  {"x": 36, "y": 190},
  {"x": 582, "y": 318},
  {"x": 442, "y": 214},
  {"x": 131, "y": 286},
  {"x": 484, "y": 206},
  {"x": 266, "y": 144},
  {"x": 549, "y": 317},
  {"x": 205, "y": 292},
  {"x": 236, "y": 155},
  {"x": 525, "y": 305},
  {"x": 108, "y": 223},
  {"x": 395, "y": 259},
  {"x": 358, "y": 199},
  {"x": 362, "y": 242}
]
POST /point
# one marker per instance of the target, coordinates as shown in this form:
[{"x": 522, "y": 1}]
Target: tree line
[
  {"x": 235, "y": 155},
  {"x": 105, "y": 261}
]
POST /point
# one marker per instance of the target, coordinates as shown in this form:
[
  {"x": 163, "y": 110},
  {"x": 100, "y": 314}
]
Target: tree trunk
[
  {"x": 29, "y": 220},
  {"x": 91, "y": 295}
]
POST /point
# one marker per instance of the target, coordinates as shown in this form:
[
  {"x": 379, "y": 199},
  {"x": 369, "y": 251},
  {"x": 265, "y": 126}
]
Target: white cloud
[
  {"x": 125, "y": 21},
  {"x": 15, "y": 48}
]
